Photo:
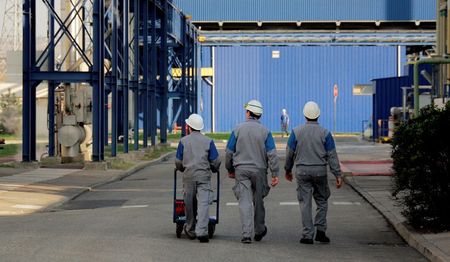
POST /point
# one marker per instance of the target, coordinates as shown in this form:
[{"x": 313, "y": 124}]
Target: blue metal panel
[
  {"x": 300, "y": 74},
  {"x": 388, "y": 93},
  {"x": 295, "y": 10}
]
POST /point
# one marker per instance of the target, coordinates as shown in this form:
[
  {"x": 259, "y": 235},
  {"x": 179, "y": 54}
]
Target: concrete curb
[
  {"x": 413, "y": 239},
  {"x": 118, "y": 177}
]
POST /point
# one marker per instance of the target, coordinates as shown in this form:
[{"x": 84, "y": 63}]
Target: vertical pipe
[
  {"x": 153, "y": 55},
  {"x": 96, "y": 107},
  {"x": 184, "y": 89},
  {"x": 145, "y": 71},
  {"x": 399, "y": 61},
  {"x": 33, "y": 85},
  {"x": 416, "y": 90},
  {"x": 26, "y": 114},
  {"x": 51, "y": 84},
  {"x": 164, "y": 74},
  {"x": 125, "y": 74},
  {"x": 213, "y": 92},
  {"x": 103, "y": 96},
  {"x": 136, "y": 75},
  {"x": 115, "y": 101}
]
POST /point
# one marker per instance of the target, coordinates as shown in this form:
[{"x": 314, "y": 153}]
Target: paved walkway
[{"x": 27, "y": 191}]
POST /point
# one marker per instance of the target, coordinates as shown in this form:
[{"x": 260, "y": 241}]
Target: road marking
[
  {"x": 346, "y": 203},
  {"x": 27, "y": 206},
  {"x": 288, "y": 203},
  {"x": 134, "y": 206},
  {"x": 232, "y": 204}
]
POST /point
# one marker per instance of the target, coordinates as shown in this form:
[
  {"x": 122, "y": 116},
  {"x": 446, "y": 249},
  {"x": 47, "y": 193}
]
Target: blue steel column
[
  {"x": 194, "y": 73},
  {"x": 125, "y": 74},
  {"x": 97, "y": 82},
  {"x": 33, "y": 85},
  {"x": 145, "y": 62},
  {"x": 51, "y": 85},
  {"x": 136, "y": 75},
  {"x": 26, "y": 114},
  {"x": 103, "y": 112},
  {"x": 153, "y": 74},
  {"x": 115, "y": 101},
  {"x": 184, "y": 89},
  {"x": 163, "y": 74}
]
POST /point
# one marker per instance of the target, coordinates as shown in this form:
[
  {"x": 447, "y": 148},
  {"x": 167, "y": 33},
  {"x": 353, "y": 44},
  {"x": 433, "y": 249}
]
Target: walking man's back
[
  {"x": 250, "y": 151},
  {"x": 310, "y": 148}
]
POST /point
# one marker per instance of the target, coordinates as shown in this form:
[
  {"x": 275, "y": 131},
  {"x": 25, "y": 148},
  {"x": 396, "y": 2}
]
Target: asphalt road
[{"x": 131, "y": 220}]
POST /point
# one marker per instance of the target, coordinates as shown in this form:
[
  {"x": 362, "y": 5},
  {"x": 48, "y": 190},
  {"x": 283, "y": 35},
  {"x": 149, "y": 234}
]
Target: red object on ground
[{"x": 368, "y": 168}]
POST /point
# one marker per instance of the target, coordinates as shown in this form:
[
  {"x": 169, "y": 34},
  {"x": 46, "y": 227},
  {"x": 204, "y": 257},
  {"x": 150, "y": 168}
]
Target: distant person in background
[{"x": 284, "y": 122}]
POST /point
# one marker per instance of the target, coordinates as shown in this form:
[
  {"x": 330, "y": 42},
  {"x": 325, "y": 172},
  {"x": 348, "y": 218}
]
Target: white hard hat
[
  {"x": 311, "y": 110},
  {"x": 255, "y": 107},
  {"x": 195, "y": 122}
]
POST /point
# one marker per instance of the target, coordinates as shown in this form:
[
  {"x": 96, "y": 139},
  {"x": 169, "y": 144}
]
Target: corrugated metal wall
[
  {"x": 388, "y": 93},
  {"x": 296, "y": 10},
  {"x": 300, "y": 74}
]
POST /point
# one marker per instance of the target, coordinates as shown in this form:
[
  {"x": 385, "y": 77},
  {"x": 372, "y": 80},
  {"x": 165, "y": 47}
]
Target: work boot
[
  {"x": 306, "y": 241},
  {"x": 246, "y": 240},
  {"x": 321, "y": 237},
  {"x": 203, "y": 239},
  {"x": 258, "y": 237}
]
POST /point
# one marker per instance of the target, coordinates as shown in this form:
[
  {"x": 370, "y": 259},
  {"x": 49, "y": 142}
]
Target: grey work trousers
[
  {"x": 197, "y": 198},
  {"x": 250, "y": 189},
  {"x": 313, "y": 186}
]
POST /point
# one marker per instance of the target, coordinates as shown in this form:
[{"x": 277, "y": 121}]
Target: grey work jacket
[
  {"x": 251, "y": 147},
  {"x": 197, "y": 156},
  {"x": 310, "y": 148}
]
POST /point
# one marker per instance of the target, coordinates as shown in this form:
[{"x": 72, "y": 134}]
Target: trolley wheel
[
  {"x": 211, "y": 229},
  {"x": 179, "y": 229}
]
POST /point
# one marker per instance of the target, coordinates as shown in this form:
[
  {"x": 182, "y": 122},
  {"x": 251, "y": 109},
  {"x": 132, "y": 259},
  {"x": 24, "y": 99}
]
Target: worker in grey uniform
[
  {"x": 250, "y": 150},
  {"x": 310, "y": 148},
  {"x": 197, "y": 156}
]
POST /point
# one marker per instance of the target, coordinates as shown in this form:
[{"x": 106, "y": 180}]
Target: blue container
[{"x": 388, "y": 93}]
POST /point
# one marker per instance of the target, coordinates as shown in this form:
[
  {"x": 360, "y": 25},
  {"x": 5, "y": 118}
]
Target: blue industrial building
[
  {"x": 298, "y": 75},
  {"x": 325, "y": 42},
  {"x": 304, "y": 10}
]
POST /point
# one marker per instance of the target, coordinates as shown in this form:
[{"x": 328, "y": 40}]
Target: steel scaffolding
[{"x": 119, "y": 46}]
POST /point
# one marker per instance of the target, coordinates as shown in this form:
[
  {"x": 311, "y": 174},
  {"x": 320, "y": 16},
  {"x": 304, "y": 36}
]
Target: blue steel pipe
[
  {"x": 184, "y": 52},
  {"x": 153, "y": 75},
  {"x": 114, "y": 64},
  {"x": 163, "y": 73},
  {"x": 26, "y": 114},
  {"x": 136, "y": 75},
  {"x": 51, "y": 85},
  {"x": 125, "y": 74},
  {"x": 33, "y": 85},
  {"x": 97, "y": 82},
  {"x": 145, "y": 61}
]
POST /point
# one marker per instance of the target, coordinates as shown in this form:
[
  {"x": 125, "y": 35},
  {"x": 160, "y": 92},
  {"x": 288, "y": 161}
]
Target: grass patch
[
  {"x": 9, "y": 150},
  {"x": 121, "y": 165},
  {"x": 10, "y": 137},
  {"x": 154, "y": 154}
]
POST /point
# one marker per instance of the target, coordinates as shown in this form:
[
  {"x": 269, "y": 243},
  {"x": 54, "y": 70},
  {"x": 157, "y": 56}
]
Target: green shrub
[{"x": 421, "y": 155}]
